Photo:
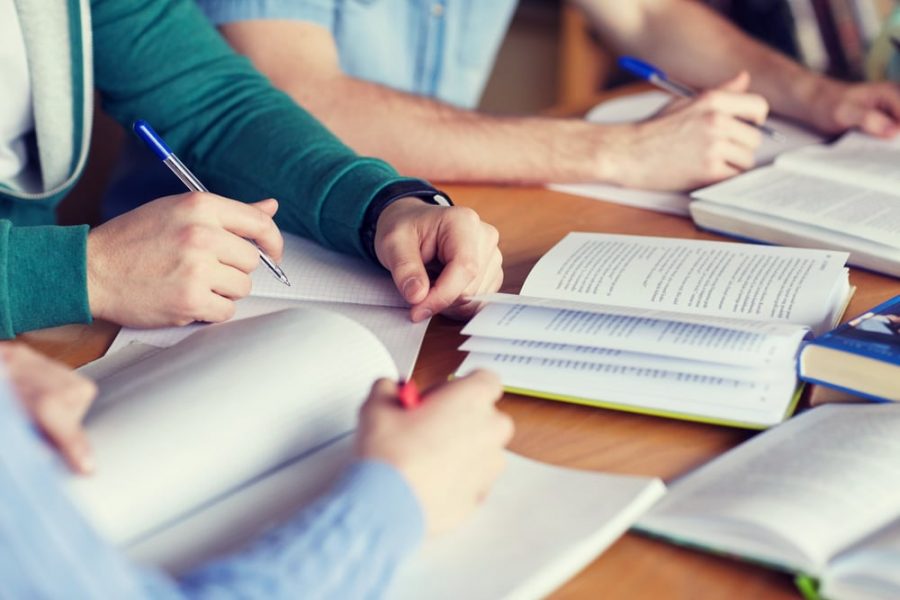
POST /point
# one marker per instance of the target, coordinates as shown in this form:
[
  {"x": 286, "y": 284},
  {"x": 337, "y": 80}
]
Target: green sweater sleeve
[
  {"x": 162, "y": 61},
  {"x": 39, "y": 292}
]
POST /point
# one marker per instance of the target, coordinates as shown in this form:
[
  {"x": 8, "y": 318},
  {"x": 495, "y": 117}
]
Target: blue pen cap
[
  {"x": 153, "y": 141},
  {"x": 640, "y": 68}
]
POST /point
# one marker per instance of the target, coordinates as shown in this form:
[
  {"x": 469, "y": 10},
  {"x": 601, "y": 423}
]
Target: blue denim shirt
[
  {"x": 346, "y": 544},
  {"x": 443, "y": 49}
]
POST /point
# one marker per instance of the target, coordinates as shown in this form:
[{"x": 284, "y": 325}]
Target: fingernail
[
  {"x": 423, "y": 315},
  {"x": 411, "y": 287}
]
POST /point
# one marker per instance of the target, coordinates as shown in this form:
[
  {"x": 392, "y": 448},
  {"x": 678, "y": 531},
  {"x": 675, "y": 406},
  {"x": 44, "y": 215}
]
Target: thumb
[
  {"x": 401, "y": 256},
  {"x": 384, "y": 393},
  {"x": 268, "y": 206},
  {"x": 739, "y": 83}
]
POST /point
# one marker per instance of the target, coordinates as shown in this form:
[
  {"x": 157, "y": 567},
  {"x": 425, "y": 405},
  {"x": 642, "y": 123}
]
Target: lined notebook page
[
  {"x": 323, "y": 275},
  {"x": 391, "y": 326}
]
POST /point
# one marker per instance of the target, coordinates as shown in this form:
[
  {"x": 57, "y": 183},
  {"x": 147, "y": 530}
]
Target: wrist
[
  {"x": 402, "y": 191},
  {"x": 613, "y": 156},
  {"x": 96, "y": 297}
]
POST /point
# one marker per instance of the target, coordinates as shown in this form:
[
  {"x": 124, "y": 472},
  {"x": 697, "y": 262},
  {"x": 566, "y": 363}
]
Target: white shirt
[{"x": 16, "y": 114}]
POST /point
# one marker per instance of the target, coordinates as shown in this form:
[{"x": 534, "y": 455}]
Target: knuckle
[
  {"x": 466, "y": 215},
  {"x": 195, "y": 236},
  {"x": 492, "y": 234},
  {"x": 193, "y": 201}
]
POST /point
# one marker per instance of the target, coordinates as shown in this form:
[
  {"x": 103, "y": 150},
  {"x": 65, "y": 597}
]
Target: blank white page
[
  {"x": 317, "y": 273},
  {"x": 538, "y": 526},
  {"x": 718, "y": 279},
  {"x": 393, "y": 327},
  {"x": 226, "y": 404}
]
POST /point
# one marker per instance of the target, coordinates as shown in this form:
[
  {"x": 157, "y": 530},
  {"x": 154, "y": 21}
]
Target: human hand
[
  {"x": 411, "y": 234},
  {"x": 449, "y": 448},
  {"x": 56, "y": 397},
  {"x": 874, "y": 108},
  {"x": 691, "y": 143},
  {"x": 178, "y": 259}
]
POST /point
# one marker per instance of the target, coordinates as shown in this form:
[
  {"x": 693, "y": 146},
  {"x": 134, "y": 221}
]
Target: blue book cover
[{"x": 875, "y": 334}]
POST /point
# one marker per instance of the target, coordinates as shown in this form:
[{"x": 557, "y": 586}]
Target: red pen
[{"x": 408, "y": 393}]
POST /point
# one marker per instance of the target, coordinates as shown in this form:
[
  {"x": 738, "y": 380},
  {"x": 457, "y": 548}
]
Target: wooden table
[{"x": 530, "y": 221}]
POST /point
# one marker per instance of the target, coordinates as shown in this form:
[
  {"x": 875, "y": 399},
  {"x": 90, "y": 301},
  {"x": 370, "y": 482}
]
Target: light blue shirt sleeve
[
  {"x": 347, "y": 544},
  {"x": 219, "y": 12}
]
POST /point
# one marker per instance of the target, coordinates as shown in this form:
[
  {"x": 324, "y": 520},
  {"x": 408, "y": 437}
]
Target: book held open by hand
[{"x": 692, "y": 329}]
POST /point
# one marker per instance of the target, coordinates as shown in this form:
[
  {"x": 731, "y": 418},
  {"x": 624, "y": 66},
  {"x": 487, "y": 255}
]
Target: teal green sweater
[{"x": 161, "y": 61}]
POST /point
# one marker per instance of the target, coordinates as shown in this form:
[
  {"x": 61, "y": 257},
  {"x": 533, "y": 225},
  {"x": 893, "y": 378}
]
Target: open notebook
[
  {"x": 205, "y": 444},
  {"x": 691, "y": 329},
  {"x": 818, "y": 496},
  {"x": 321, "y": 278},
  {"x": 638, "y": 107},
  {"x": 845, "y": 196}
]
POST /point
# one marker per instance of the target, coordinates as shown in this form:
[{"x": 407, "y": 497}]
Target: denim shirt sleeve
[
  {"x": 345, "y": 545},
  {"x": 321, "y": 12}
]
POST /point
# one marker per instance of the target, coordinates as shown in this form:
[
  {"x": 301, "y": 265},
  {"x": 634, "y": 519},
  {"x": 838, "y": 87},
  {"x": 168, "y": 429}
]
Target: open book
[
  {"x": 818, "y": 495},
  {"x": 693, "y": 329},
  {"x": 325, "y": 279},
  {"x": 639, "y": 107},
  {"x": 845, "y": 197},
  {"x": 203, "y": 445}
]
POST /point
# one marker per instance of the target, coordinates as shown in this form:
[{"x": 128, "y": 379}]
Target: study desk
[{"x": 530, "y": 221}]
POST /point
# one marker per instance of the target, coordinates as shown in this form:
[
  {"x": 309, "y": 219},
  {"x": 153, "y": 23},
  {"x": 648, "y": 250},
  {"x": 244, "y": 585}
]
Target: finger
[
  {"x": 215, "y": 309},
  {"x": 253, "y": 224},
  {"x": 465, "y": 308},
  {"x": 382, "y": 395},
  {"x": 734, "y": 155},
  {"x": 739, "y": 83},
  {"x": 269, "y": 206},
  {"x": 400, "y": 253},
  {"x": 742, "y": 134},
  {"x": 751, "y": 107},
  {"x": 231, "y": 283},
  {"x": 875, "y": 122},
  {"x": 479, "y": 385},
  {"x": 60, "y": 413},
  {"x": 235, "y": 251}
]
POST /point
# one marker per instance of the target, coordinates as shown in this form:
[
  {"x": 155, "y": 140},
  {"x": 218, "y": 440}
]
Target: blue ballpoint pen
[
  {"x": 165, "y": 154},
  {"x": 657, "y": 77}
]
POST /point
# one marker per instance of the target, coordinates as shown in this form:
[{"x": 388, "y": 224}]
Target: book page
[
  {"x": 754, "y": 403},
  {"x": 524, "y": 505},
  {"x": 402, "y": 338},
  {"x": 638, "y": 107},
  {"x": 323, "y": 275},
  {"x": 867, "y": 571},
  {"x": 798, "y": 494},
  {"x": 719, "y": 279},
  {"x": 609, "y": 356},
  {"x": 856, "y": 159},
  {"x": 232, "y": 401},
  {"x": 850, "y": 209},
  {"x": 637, "y": 334}
]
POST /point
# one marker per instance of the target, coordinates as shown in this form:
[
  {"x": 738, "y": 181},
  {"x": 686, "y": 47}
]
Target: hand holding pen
[{"x": 658, "y": 77}]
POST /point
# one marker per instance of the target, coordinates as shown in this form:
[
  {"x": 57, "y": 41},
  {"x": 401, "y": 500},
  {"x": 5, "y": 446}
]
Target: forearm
[
  {"x": 420, "y": 136},
  {"x": 697, "y": 46},
  {"x": 426, "y": 138},
  {"x": 242, "y": 137},
  {"x": 345, "y": 545}
]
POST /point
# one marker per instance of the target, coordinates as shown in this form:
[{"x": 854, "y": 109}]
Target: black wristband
[{"x": 390, "y": 194}]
